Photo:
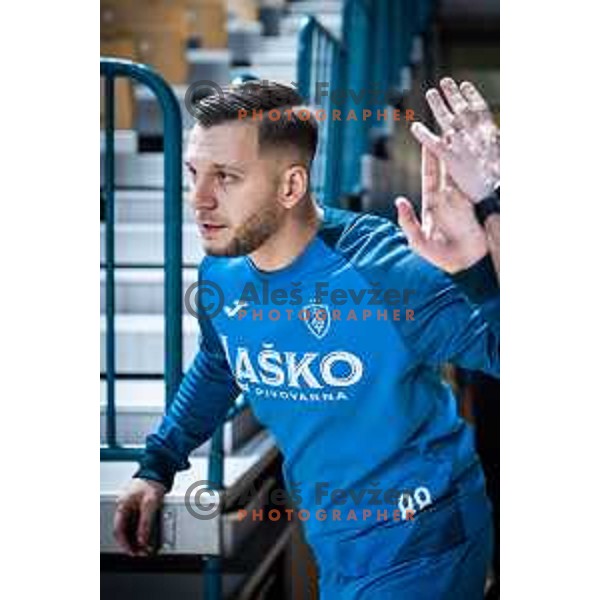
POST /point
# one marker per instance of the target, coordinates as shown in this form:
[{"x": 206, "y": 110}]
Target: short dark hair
[{"x": 295, "y": 127}]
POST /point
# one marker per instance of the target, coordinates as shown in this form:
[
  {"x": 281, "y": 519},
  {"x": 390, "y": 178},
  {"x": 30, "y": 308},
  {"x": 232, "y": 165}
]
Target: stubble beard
[{"x": 252, "y": 233}]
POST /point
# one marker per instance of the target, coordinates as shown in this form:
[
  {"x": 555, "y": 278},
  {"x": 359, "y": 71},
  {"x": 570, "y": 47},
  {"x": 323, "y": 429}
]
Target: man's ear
[{"x": 294, "y": 185}]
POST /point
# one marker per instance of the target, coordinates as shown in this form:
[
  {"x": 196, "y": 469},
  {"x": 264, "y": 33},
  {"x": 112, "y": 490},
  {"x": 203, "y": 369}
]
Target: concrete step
[
  {"x": 140, "y": 406},
  {"x": 208, "y": 56},
  {"x": 273, "y": 57},
  {"x": 182, "y": 532},
  {"x": 208, "y": 64},
  {"x": 243, "y": 38},
  {"x": 282, "y": 43},
  {"x": 144, "y": 243},
  {"x": 149, "y": 119},
  {"x": 139, "y": 170},
  {"x": 141, "y": 291},
  {"x": 140, "y": 346},
  {"x": 145, "y": 207},
  {"x": 283, "y": 73},
  {"x": 125, "y": 141},
  {"x": 332, "y": 21},
  {"x": 316, "y": 7}
]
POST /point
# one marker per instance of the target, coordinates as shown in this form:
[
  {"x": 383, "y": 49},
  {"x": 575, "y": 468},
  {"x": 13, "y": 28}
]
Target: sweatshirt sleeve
[
  {"x": 456, "y": 318},
  {"x": 452, "y": 319},
  {"x": 205, "y": 394},
  {"x": 480, "y": 285}
]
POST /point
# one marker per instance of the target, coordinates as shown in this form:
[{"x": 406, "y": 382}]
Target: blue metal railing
[
  {"x": 357, "y": 34},
  {"x": 375, "y": 46},
  {"x": 325, "y": 55},
  {"x": 110, "y": 69}
]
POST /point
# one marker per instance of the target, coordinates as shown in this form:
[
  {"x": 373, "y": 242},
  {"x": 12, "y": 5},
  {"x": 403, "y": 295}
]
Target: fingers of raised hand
[
  {"x": 428, "y": 139},
  {"x": 430, "y": 174},
  {"x": 455, "y": 124},
  {"x": 454, "y": 97},
  {"x": 477, "y": 104},
  {"x": 442, "y": 114},
  {"x": 409, "y": 223}
]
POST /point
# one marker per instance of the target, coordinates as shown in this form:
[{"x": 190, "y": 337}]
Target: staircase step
[
  {"x": 182, "y": 532},
  {"x": 276, "y": 72},
  {"x": 209, "y": 65},
  {"x": 333, "y": 22},
  {"x": 137, "y": 243},
  {"x": 125, "y": 141},
  {"x": 141, "y": 291},
  {"x": 316, "y": 7},
  {"x": 140, "y": 170},
  {"x": 140, "y": 406},
  {"x": 145, "y": 206},
  {"x": 149, "y": 117},
  {"x": 271, "y": 57},
  {"x": 243, "y": 39},
  {"x": 287, "y": 43},
  {"x": 140, "y": 345}
]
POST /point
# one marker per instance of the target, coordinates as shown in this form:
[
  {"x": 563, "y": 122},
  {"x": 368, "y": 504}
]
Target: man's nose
[{"x": 203, "y": 195}]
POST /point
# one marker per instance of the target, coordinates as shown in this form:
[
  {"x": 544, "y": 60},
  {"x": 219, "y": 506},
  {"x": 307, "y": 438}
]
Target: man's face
[{"x": 233, "y": 190}]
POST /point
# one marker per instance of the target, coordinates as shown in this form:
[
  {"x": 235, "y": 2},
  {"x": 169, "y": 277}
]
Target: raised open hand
[
  {"x": 470, "y": 142},
  {"x": 449, "y": 235}
]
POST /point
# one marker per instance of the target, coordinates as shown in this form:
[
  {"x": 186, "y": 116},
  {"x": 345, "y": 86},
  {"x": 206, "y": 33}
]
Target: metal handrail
[
  {"x": 375, "y": 47},
  {"x": 357, "y": 34},
  {"x": 110, "y": 69},
  {"x": 321, "y": 57}
]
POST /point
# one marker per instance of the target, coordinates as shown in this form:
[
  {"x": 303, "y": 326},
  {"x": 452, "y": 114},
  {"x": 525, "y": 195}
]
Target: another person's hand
[
  {"x": 449, "y": 235},
  {"x": 136, "y": 510},
  {"x": 469, "y": 144}
]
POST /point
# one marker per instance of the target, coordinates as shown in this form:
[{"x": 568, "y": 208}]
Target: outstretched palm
[
  {"x": 470, "y": 142},
  {"x": 449, "y": 235}
]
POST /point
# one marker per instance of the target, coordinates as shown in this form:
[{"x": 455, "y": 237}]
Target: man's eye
[{"x": 225, "y": 177}]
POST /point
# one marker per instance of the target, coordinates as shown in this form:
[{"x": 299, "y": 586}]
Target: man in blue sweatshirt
[{"x": 341, "y": 361}]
